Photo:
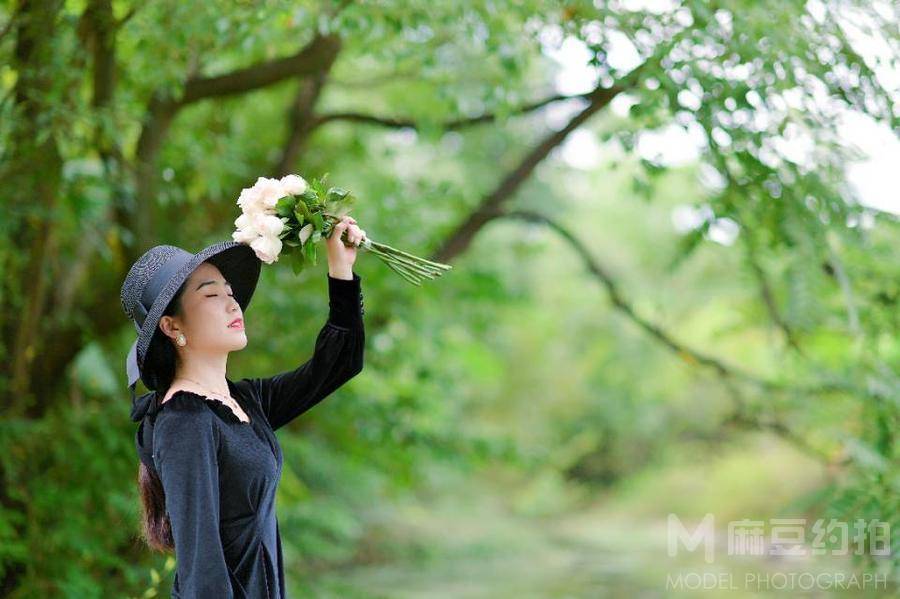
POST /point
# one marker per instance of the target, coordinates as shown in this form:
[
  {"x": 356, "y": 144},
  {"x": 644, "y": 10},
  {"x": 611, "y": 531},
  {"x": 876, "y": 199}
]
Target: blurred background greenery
[{"x": 666, "y": 296}]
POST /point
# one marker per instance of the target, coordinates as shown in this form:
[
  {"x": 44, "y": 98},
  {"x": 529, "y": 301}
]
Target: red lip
[{"x": 239, "y": 321}]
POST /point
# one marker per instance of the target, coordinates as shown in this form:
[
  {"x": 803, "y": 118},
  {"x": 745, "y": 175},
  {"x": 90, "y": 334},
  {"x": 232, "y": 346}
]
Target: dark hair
[{"x": 159, "y": 365}]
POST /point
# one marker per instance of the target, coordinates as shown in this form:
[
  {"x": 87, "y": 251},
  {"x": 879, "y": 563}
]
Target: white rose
[
  {"x": 267, "y": 248},
  {"x": 259, "y": 219},
  {"x": 269, "y": 225},
  {"x": 246, "y": 230},
  {"x": 244, "y": 235},
  {"x": 294, "y": 184},
  {"x": 246, "y": 222},
  {"x": 270, "y": 191},
  {"x": 255, "y": 213},
  {"x": 250, "y": 199}
]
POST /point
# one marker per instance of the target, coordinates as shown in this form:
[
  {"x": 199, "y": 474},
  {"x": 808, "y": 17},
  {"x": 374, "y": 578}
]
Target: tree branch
[
  {"x": 127, "y": 16},
  {"x": 460, "y": 239},
  {"x": 728, "y": 374},
  {"x": 686, "y": 353},
  {"x": 619, "y": 302},
  {"x": 161, "y": 111},
  {"x": 451, "y": 125},
  {"x": 843, "y": 280},
  {"x": 779, "y": 428},
  {"x": 316, "y": 56},
  {"x": 768, "y": 297},
  {"x": 300, "y": 121}
]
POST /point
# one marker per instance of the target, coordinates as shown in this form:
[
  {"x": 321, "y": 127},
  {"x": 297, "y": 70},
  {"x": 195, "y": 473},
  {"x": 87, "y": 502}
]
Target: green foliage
[{"x": 520, "y": 367}]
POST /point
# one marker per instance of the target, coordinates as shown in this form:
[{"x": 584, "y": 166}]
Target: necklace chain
[
  {"x": 227, "y": 399},
  {"x": 202, "y": 386}
]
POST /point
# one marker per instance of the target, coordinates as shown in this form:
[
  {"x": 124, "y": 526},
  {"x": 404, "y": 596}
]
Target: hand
[{"x": 340, "y": 256}]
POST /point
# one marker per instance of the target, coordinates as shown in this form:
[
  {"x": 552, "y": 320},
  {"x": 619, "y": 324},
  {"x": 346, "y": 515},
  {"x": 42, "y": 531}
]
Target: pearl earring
[{"x": 181, "y": 340}]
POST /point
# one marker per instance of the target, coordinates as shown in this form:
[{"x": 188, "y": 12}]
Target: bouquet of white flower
[{"x": 289, "y": 211}]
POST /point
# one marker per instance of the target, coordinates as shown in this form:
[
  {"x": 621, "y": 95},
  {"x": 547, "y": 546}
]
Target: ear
[{"x": 168, "y": 326}]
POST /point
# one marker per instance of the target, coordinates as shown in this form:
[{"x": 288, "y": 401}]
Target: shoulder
[
  {"x": 185, "y": 438},
  {"x": 185, "y": 409},
  {"x": 184, "y": 421},
  {"x": 248, "y": 388},
  {"x": 245, "y": 386}
]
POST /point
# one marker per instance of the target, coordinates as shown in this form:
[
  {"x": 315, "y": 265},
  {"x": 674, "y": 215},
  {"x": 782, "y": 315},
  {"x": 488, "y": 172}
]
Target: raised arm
[
  {"x": 337, "y": 357},
  {"x": 186, "y": 443}
]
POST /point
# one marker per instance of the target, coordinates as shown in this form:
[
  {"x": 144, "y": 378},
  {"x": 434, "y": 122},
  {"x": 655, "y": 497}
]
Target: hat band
[{"x": 156, "y": 284}]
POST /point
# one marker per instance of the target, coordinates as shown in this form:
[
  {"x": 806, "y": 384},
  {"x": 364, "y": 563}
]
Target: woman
[{"x": 210, "y": 462}]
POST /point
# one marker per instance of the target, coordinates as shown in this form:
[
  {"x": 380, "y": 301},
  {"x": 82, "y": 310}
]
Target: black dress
[{"x": 220, "y": 473}]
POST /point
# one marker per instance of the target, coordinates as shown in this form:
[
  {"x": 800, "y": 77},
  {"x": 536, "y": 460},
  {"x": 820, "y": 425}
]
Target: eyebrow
[{"x": 210, "y": 283}]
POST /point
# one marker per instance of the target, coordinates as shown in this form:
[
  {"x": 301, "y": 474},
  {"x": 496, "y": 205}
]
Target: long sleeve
[
  {"x": 186, "y": 444},
  {"x": 338, "y": 356}
]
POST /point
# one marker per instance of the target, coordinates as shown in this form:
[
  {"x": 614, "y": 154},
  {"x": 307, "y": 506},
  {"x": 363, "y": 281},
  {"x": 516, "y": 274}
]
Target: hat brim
[{"x": 239, "y": 265}]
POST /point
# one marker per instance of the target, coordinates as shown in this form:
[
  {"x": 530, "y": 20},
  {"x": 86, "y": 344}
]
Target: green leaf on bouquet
[
  {"x": 302, "y": 212},
  {"x": 316, "y": 237},
  {"x": 339, "y": 209},
  {"x": 318, "y": 221},
  {"x": 336, "y": 194},
  {"x": 305, "y": 232},
  {"x": 285, "y": 206},
  {"x": 309, "y": 197},
  {"x": 309, "y": 251},
  {"x": 298, "y": 262},
  {"x": 319, "y": 184}
]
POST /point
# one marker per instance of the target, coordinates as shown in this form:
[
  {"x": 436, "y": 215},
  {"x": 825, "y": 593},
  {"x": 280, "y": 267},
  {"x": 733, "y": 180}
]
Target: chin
[{"x": 236, "y": 342}]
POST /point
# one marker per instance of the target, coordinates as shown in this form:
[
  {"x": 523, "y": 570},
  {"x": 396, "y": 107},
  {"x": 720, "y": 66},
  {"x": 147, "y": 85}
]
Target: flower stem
[{"x": 412, "y": 268}]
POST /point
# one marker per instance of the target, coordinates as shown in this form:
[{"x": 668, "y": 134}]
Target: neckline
[{"x": 217, "y": 405}]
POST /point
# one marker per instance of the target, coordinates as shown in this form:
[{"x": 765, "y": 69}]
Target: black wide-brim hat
[{"x": 155, "y": 278}]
